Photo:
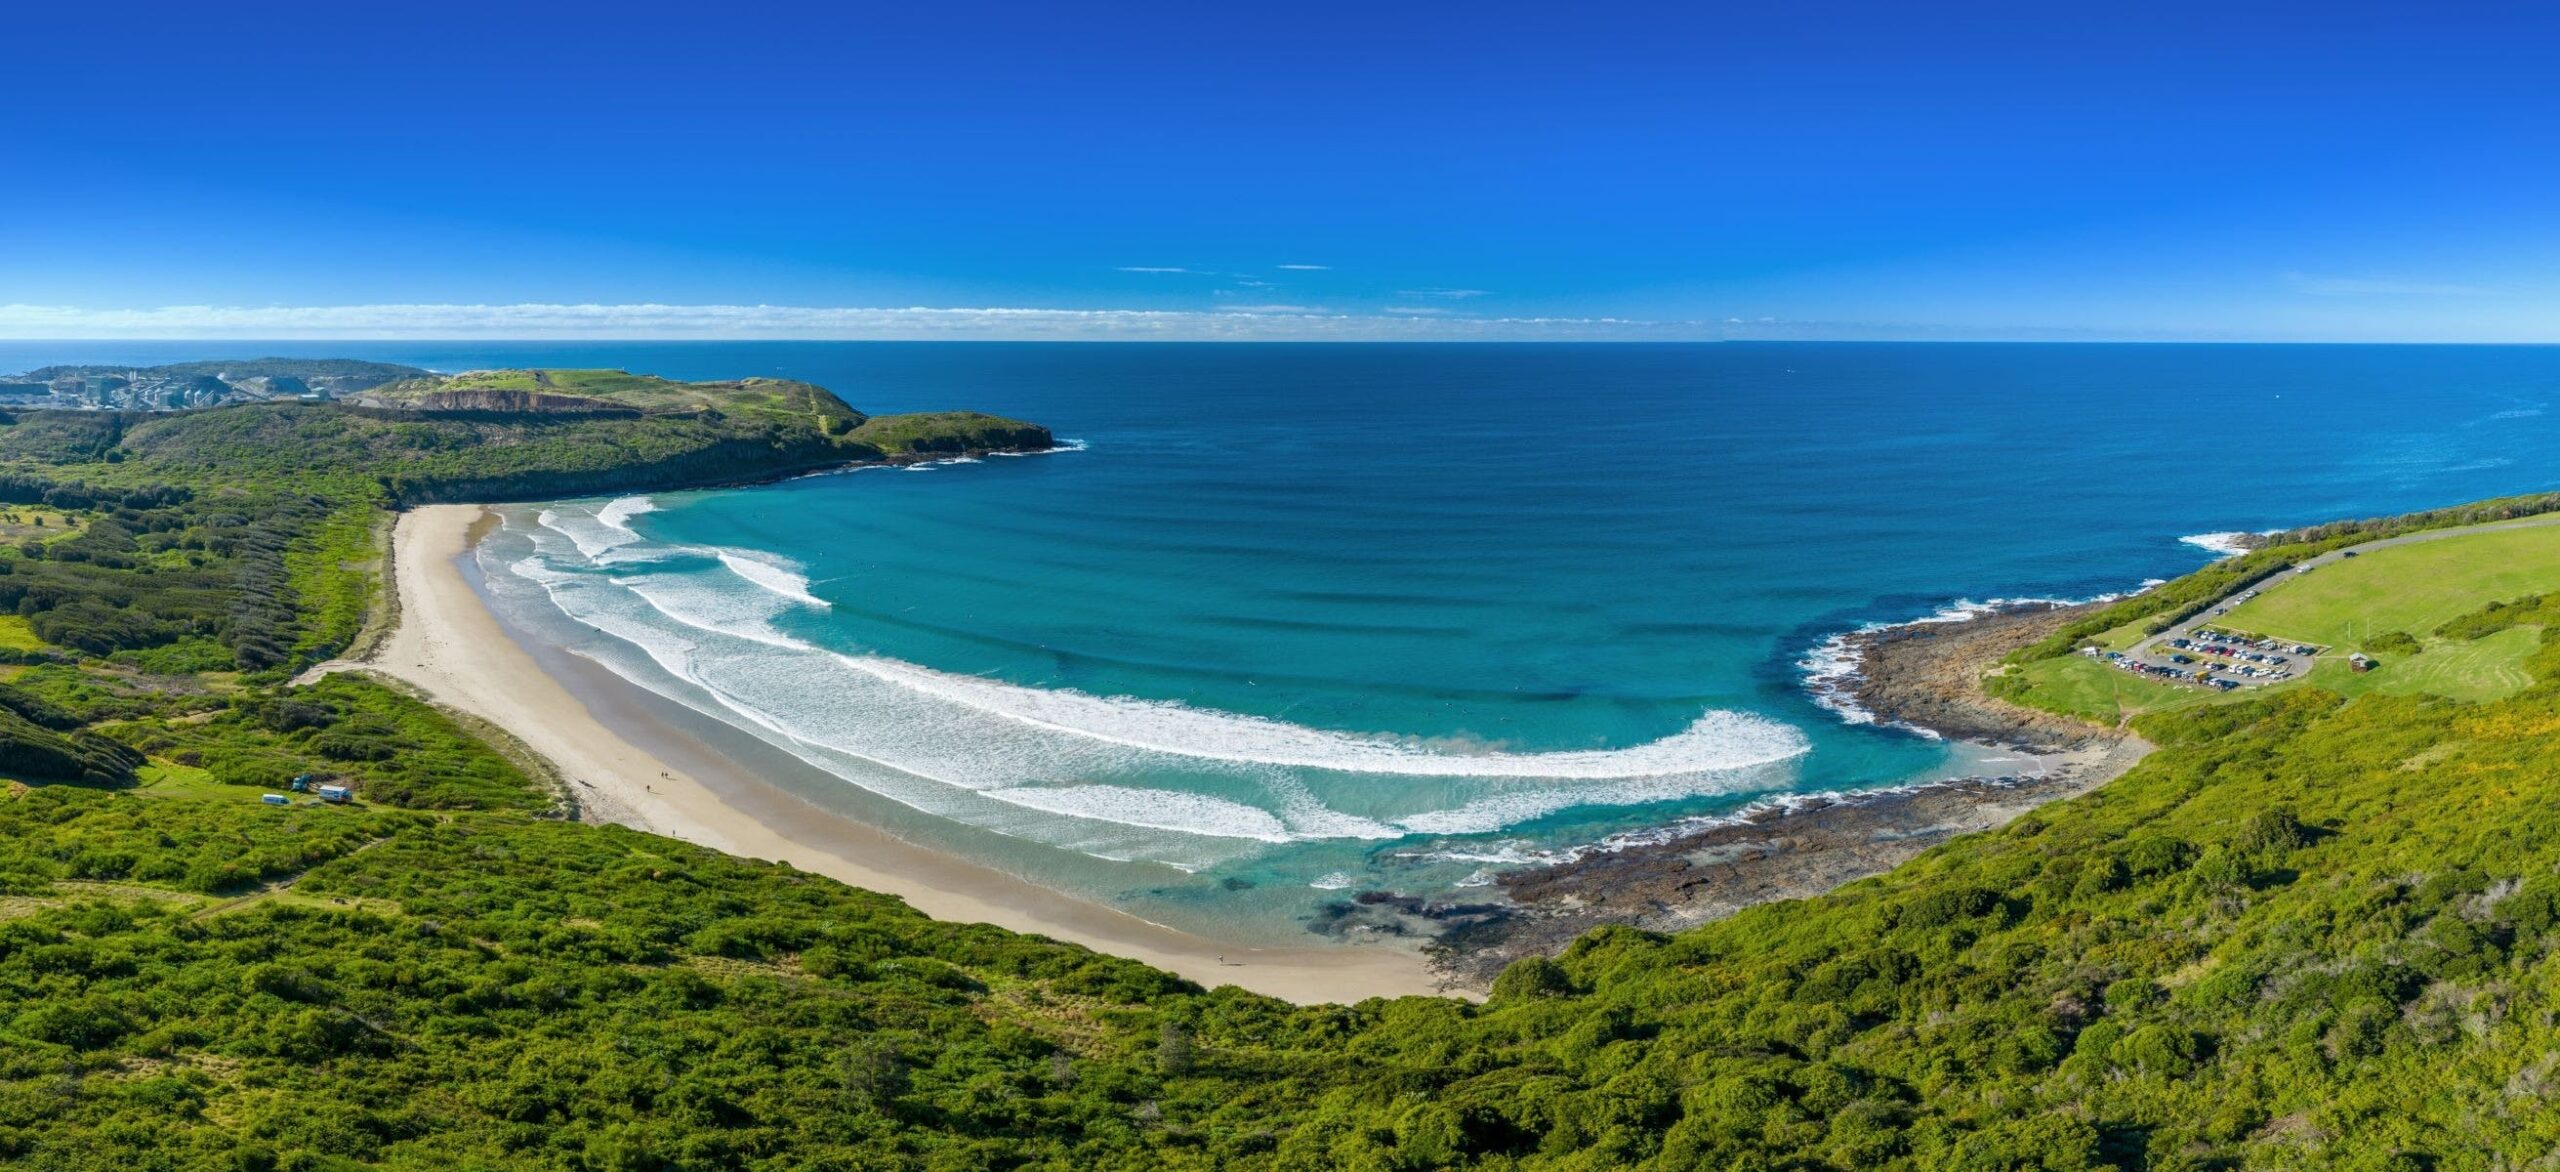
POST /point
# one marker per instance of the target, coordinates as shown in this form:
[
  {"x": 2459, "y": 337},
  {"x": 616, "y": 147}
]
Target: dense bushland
[{"x": 2307, "y": 933}]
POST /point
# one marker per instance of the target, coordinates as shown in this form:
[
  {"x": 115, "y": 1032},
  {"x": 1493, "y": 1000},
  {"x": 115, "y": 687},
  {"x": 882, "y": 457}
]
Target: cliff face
[
  {"x": 739, "y": 460},
  {"x": 496, "y": 403},
  {"x": 749, "y": 456},
  {"x": 951, "y": 433}
]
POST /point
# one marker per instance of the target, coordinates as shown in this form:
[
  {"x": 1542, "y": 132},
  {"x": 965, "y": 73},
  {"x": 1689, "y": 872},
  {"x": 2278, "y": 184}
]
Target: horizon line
[{"x": 660, "y": 322}]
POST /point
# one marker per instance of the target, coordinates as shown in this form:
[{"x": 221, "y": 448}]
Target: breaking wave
[
  {"x": 769, "y": 572},
  {"x": 2225, "y": 545},
  {"x": 1114, "y": 776}
]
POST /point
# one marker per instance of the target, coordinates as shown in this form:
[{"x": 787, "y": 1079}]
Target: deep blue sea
[{"x": 1291, "y": 619}]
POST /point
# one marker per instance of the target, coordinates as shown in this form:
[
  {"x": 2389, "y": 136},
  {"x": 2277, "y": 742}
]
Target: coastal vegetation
[{"x": 2311, "y": 930}]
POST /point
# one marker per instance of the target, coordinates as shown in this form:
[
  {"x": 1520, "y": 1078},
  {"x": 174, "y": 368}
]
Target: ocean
[{"x": 1278, "y": 624}]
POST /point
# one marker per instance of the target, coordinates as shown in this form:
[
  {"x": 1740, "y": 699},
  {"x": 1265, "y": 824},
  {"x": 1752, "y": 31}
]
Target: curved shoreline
[
  {"x": 1921, "y": 676},
  {"x": 448, "y": 644},
  {"x": 619, "y": 759}
]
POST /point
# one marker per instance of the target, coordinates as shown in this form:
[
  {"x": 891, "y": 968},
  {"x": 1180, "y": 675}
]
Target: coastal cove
[
  {"x": 791, "y": 587},
  {"x": 626, "y": 763},
  {"x": 1473, "y": 581},
  {"x": 576, "y": 878},
  {"x": 1132, "y": 672}
]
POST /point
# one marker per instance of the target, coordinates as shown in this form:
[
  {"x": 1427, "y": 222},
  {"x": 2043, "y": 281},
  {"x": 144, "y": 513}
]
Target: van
[{"x": 275, "y": 799}]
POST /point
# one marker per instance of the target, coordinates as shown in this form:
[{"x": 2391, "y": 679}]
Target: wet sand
[{"x": 622, "y": 763}]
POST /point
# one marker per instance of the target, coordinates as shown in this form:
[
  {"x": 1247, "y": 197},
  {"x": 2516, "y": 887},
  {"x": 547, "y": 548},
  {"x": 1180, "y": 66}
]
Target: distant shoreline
[{"x": 449, "y": 644}]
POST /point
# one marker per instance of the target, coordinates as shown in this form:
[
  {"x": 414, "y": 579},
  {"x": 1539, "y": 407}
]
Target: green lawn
[
  {"x": 2487, "y": 668},
  {"x": 2081, "y": 686},
  {"x": 2410, "y": 588},
  {"x": 2123, "y": 638},
  {"x": 2414, "y": 588}
]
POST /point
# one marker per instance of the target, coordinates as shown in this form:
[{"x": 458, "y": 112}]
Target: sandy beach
[{"x": 447, "y": 644}]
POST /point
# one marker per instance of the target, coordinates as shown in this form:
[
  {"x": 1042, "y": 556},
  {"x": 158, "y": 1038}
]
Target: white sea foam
[
  {"x": 1064, "y": 445},
  {"x": 1155, "y": 809},
  {"x": 617, "y": 513},
  {"x": 1509, "y": 854},
  {"x": 1487, "y": 814},
  {"x": 2225, "y": 545},
  {"x": 1835, "y": 667},
  {"x": 1052, "y": 764},
  {"x": 599, "y": 532},
  {"x": 771, "y": 573},
  {"x": 1332, "y": 881},
  {"x": 1714, "y": 741}
]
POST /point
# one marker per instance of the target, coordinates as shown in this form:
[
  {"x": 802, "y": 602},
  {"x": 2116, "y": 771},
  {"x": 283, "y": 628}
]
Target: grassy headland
[
  {"x": 2392, "y": 603},
  {"x": 2309, "y": 931}
]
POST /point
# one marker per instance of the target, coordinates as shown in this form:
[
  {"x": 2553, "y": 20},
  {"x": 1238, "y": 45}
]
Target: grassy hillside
[{"x": 2405, "y": 588}]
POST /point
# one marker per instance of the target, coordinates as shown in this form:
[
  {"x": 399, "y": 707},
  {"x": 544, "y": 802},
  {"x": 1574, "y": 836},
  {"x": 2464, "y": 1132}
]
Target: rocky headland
[{"x": 1923, "y": 675}]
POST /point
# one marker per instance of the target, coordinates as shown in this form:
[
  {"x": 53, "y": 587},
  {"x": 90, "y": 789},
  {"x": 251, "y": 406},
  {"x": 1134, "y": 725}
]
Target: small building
[
  {"x": 2361, "y": 662},
  {"x": 275, "y": 799}
]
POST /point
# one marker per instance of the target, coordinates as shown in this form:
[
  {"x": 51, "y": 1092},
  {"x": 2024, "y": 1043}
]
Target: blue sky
[{"x": 2333, "y": 172}]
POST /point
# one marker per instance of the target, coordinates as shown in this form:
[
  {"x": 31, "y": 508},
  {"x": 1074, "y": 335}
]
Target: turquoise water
[{"x": 1290, "y": 620}]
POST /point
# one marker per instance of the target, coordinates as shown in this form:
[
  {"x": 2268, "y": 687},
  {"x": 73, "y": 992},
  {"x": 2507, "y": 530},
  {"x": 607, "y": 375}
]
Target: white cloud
[
  {"x": 1305, "y": 268},
  {"x": 2382, "y": 287},
  {"x": 1153, "y": 269},
  {"x": 1444, "y": 294},
  {"x": 721, "y": 322}
]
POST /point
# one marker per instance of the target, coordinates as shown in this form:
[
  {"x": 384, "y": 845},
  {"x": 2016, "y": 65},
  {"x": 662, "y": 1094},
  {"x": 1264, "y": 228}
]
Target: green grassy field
[
  {"x": 2410, "y": 588},
  {"x": 2085, "y": 687},
  {"x": 2123, "y": 638},
  {"x": 2488, "y": 668},
  {"x": 2413, "y": 589}
]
